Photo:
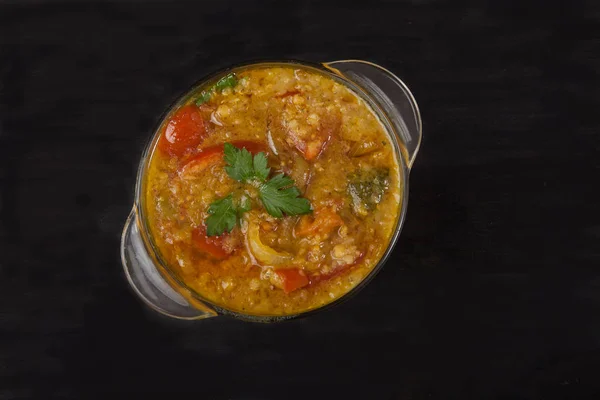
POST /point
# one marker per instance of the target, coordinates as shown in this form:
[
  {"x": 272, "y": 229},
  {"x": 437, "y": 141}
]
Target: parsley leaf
[
  {"x": 242, "y": 167},
  {"x": 223, "y": 217},
  {"x": 229, "y": 80},
  {"x": 204, "y": 97},
  {"x": 261, "y": 169},
  {"x": 239, "y": 163},
  {"x": 279, "y": 196},
  {"x": 224, "y": 214}
]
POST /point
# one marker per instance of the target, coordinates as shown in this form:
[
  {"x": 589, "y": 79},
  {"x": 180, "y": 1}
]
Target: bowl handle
[
  {"x": 149, "y": 284},
  {"x": 392, "y": 95}
]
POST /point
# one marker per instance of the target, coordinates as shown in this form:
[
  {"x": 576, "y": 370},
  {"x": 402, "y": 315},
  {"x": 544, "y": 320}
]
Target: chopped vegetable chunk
[
  {"x": 323, "y": 222},
  {"x": 292, "y": 279},
  {"x": 367, "y": 187},
  {"x": 228, "y": 81},
  {"x": 215, "y": 246},
  {"x": 184, "y": 132}
]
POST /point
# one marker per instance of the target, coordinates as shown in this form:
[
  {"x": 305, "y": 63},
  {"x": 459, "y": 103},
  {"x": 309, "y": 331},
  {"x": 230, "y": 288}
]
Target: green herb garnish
[
  {"x": 226, "y": 81},
  {"x": 223, "y": 216},
  {"x": 278, "y": 195},
  {"x": 261, "y": 168},
  {"x": 239, "y": 163},
  {"x": 242, "y": 167},
  {"x": 229, "y": 80},
  {"x": 204, "y": 97},
  {"x": 366, "y": 188}
]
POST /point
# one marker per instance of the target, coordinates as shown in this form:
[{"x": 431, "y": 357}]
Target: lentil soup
[{"x": 273, "y": 190}]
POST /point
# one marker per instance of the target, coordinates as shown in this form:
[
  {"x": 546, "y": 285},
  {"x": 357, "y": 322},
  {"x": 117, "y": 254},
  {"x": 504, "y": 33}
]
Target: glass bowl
[{"x": 160, "y": 287}]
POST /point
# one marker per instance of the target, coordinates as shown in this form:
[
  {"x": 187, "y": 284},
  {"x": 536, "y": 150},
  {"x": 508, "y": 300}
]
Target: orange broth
[{"x": 319, "y": 133}]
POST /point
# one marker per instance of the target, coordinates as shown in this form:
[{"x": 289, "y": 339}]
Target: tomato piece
[
  {"x": 323, "y": 221},
  {"x": 184, "y": 131},
  {"x": 251, "y": 146},
  {"x": 292, "y": 279},
  {"x": 310, "y": 149},
  {"x": 203, "y": 160},
  {"x": 288, "y": 93},
  {"x": 316, "y": 278},
  {"x": 213, "y": 245},
  {"x": 313, "y": 143},
  {"x": 213, "y": 154}
]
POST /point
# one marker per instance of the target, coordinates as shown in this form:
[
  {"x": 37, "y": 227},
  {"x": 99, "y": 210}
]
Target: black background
[{"x": 493, "y": 291}]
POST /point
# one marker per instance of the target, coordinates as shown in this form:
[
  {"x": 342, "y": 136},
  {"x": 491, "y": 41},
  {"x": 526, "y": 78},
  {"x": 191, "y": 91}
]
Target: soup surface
[{"x": 272, "y": 191}]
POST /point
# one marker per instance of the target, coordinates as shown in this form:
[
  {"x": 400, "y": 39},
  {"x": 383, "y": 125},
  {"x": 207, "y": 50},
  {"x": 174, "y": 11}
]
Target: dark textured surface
[{"x": 493, "y": 291}]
